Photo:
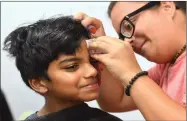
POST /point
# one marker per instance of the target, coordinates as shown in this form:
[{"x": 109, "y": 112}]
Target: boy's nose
[{"x": 91, "y": 70}]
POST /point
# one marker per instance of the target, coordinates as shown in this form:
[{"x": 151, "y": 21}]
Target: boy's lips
[
  {"x": 93, "y": 82},
  {"x": 96, "y": 85}
]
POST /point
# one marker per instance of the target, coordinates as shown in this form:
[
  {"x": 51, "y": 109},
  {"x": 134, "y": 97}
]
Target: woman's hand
[
  {"x": 87, "y": 21},
  {"x": 117, "y": 56}
]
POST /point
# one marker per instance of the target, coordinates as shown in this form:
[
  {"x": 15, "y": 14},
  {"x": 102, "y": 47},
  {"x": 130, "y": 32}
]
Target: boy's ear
[{"x": 39, "y": 85}]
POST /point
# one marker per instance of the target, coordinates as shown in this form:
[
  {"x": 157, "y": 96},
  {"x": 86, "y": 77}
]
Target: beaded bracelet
[{"x": 127, "y": 90}]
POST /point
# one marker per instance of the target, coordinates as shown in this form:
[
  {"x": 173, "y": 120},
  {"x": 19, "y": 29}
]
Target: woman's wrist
[
  {"x": 126, "y": 78},
  {"x": 133, "y": 79}
]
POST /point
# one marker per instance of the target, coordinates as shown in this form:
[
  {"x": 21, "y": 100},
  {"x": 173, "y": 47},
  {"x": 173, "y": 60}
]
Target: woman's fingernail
[{"x": 92, "y": 29}]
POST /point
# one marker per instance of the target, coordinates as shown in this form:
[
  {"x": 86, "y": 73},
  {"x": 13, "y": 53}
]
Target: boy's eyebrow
[{"x": 70, "y": 59}]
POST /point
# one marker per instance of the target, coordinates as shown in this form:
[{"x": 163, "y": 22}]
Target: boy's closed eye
[
  {"x": 72, "y": 67},
  {"x": 70, "y": 64}
]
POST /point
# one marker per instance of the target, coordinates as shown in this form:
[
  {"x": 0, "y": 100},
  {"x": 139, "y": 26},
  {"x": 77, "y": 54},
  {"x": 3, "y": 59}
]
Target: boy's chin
[{"x": 91, "y": 97}]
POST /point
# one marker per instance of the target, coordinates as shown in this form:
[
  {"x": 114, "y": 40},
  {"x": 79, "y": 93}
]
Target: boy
[{"x": 53, "y": 60}]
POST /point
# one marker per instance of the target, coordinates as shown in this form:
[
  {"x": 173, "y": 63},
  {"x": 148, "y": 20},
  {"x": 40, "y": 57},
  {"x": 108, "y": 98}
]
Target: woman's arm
[
  {"x": 150, "y": 99},
  {"x": 153, "y": 103},
  {"x": 112, "y": 97},
  {"x": 119, "y": 59}
]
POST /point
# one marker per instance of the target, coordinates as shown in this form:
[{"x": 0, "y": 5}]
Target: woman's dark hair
[
  {"x": 180, "y": 4},
  {"x": 36, "y": 45}
]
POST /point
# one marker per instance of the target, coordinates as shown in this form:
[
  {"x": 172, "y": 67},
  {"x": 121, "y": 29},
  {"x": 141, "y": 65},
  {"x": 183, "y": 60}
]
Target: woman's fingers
[
  {"x": 91, "y": 21},
  {"x": 88, "y": 21},
  {"x": 99, "y": 57},
  {"x": 80, "y": 16},
  {"x": 105, "y": 44},
  {"x": 117, "y": 56},
  {"x": 99, "y": 45}
]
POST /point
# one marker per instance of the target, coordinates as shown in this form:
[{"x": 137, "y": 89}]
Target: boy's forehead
[
  {"x": 79, "y": 52},
  {"x": 65, "y": 56}
]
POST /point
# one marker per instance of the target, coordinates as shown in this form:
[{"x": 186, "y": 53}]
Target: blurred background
[{"x": 21, "y": 99}]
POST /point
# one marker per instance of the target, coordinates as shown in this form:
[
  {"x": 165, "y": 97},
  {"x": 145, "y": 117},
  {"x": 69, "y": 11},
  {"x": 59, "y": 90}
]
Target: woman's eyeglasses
[{"x": 127, "y": 27}]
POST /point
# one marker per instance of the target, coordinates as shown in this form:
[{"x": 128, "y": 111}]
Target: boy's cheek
[{"x": 99, "y": 67}]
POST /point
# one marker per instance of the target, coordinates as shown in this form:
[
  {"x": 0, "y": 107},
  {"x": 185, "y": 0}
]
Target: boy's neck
[{"x": 52, "y": 105}]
